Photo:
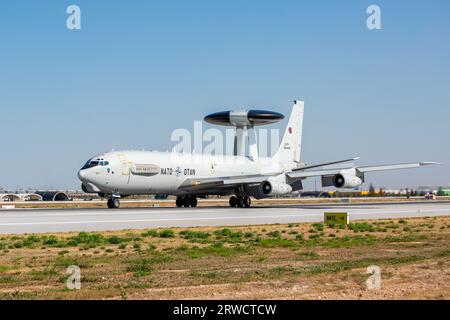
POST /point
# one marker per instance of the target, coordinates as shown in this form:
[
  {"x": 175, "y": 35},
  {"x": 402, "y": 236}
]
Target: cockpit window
[
  {"x": 90, "y": 164},
  {"x": 95, "y": 162}
]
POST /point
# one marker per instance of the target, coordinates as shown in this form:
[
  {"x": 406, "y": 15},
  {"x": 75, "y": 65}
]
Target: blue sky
[{"x": 138, "y": 70}]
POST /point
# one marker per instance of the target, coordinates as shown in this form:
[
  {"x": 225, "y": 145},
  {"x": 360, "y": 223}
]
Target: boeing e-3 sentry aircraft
[{"x": 115, "y": 175}]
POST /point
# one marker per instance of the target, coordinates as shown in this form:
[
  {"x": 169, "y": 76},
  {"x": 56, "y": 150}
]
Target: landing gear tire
[
  {"x": 233, "y": 202},
  {"x": 113, "y": 203},
  {"x": 186, "y": 201},
  {"x": 116, "y": 203},
  {"x": 240, "y": 202},
  {"x": 247, "y": 202}
]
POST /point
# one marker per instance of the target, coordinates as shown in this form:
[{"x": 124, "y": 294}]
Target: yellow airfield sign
[{"x": 336, "y": 217}]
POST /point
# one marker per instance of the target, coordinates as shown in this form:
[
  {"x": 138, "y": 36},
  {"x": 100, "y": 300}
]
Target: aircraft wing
[
  {"x": 203, "y": 184},
  {"x": 323, "y": 164},
  {"x": 363, "y": 169},
  {"x": 314, "y": 173},
  {"x": 395, "y": 166},
  {"x": 228, "y": 182}
]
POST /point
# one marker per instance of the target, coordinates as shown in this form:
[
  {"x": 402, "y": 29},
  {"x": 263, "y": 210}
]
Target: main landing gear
[
  {"x": 186, "y": 201},
  {"x": 113, "y": 203},
  {"x": 241, "y": 202}
]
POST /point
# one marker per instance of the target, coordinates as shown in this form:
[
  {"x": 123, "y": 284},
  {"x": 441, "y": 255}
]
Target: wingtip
[{"x": 429, "y": 163}]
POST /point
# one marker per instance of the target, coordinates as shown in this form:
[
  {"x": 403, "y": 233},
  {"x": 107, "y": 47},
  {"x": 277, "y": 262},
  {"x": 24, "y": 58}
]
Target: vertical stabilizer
[{"x": 288, "y": 154}]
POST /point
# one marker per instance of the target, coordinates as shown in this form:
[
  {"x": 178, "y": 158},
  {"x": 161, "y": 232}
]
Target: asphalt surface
[{"x": 64, "y": 220}]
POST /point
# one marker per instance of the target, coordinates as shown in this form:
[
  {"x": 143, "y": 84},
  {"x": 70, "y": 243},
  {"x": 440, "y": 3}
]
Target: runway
[{"x": 64, "y": 220}]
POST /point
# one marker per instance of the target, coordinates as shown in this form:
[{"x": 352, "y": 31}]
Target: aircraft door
[{"x": 125, "y": 165}]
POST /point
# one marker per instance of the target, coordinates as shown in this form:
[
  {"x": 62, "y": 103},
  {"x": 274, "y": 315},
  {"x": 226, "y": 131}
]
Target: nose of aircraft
[{"x": 81, "y": 174}]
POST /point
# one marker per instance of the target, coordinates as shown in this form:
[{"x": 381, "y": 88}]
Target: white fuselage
[{"x": 140, "y": 172}]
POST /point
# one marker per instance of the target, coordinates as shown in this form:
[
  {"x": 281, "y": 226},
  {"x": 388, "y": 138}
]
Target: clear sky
[{"x": 137, "y": 70}]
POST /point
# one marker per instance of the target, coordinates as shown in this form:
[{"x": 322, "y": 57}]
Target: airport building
[{"x": 20, "y": 196}]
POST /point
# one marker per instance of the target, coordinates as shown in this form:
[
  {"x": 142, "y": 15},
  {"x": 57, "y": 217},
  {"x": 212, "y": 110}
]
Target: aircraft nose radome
[{"x": 81, "y": 174}]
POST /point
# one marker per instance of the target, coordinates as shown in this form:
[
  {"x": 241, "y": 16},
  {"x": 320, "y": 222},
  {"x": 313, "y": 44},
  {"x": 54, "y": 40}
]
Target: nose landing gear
[
  {"x": 241, "y": 202},
  {"x": 186, "y": 201},
  {"x": 113, "y": 203}
]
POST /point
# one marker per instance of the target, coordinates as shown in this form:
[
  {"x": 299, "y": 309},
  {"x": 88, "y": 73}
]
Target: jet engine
[
  {"x": 345, "y": 180},
  {"x": 268, "y": 188}
]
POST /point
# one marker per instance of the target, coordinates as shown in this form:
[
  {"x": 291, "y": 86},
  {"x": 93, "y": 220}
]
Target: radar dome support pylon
[{"x": 243, "y": 119}]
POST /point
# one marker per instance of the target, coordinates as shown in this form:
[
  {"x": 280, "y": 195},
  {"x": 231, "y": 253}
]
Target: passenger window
[{"x": 106, "y": 163}]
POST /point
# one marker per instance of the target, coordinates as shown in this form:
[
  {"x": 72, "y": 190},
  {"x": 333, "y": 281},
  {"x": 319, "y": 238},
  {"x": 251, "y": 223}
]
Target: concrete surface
[{"x": 63, "y": 220}]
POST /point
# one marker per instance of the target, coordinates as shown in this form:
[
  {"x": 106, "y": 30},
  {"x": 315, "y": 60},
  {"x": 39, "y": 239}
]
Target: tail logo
[{"x": 290, "y": 130}]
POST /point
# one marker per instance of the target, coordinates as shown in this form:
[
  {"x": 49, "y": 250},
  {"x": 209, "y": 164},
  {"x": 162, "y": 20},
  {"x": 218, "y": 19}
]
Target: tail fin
[{"x": 288, "y": 154}]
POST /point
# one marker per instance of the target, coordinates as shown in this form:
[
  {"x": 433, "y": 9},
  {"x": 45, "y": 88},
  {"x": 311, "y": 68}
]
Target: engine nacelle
[
  {"x": 344, "y": 180},
  {"x": 269, "y": 188}
]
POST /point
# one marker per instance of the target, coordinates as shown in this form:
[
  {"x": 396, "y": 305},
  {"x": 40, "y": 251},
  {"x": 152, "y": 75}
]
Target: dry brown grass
[{"x": 248, "y": 262}]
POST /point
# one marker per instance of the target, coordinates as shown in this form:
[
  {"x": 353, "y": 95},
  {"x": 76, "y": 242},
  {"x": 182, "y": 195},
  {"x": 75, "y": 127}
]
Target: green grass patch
[
  {"x": 90, "y": 240},
  {"x": 361, "y": 227},
  {"x": 4, "y": 268},
  {"x": 144, "y": 265},
  {"x": 9, "y": 279},
  {"x": 140, "y": 267},
  {"x": 216, "y": 249},
  {"x": 150, "y": 233},
  {"x": 318, "y": 226},
  {"x": 276, "y": 243},
  {"x": 32, "y": 241},
  {"x": 335, "y": 225},
  {"x": 314, "y": 236},
  {"x": 348, "y": 241},
  {"x": 115, "y": 240},
  {"x": 300, "y": 237},
  {"x": 42, "y": 274},
  {"x": 228, "y": 235},
  {"x": 194, "y": 235},
  {"x": 274, "y": 234},
  {"x": 63, "y": 252},
  {"x": 443, "y": 254},
  {"x": 392, "y": 226},
  {"x": 408, "y": 238},
  {"x": 278, "y": 271},
  {"x": 168, "y": 233},
  {"x": 49, "y": 240}
]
